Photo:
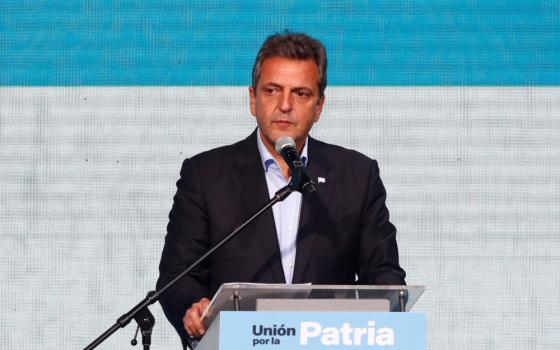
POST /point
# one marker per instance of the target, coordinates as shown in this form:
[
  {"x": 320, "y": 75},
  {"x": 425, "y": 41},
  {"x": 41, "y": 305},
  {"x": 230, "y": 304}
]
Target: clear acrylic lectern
[{"x": 307, "y": 297}]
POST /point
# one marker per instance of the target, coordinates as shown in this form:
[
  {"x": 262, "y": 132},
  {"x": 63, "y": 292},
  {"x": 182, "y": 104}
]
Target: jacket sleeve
[
  {"x": 186, "y": 240},
  {"x": 379, "y": 256}
]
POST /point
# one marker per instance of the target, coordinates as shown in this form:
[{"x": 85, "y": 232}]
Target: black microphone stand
[{"x": 142, "y": 315}]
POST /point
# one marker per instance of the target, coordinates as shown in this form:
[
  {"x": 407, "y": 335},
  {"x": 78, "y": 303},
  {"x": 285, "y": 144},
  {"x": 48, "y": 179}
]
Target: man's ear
[
  {"x": 319, "y": 109},
  {"x": 252, "y": 97}
]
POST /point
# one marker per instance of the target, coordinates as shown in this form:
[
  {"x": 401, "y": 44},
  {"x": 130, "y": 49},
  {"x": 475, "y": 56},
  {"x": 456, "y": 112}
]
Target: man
[{"x": 327, "y": 237}]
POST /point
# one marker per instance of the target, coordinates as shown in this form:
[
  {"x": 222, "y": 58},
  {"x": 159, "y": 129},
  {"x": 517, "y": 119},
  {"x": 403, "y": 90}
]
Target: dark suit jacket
[{"x": 344, "y": 227}]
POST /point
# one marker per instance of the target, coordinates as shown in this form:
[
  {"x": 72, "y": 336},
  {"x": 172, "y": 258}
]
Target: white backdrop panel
[{"x": 87, "y": 177}]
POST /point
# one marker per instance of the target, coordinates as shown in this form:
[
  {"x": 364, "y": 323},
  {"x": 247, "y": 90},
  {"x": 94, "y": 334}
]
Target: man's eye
[
  {"x": 302, "y": 93},
  {"x": 269, "y": 90}
]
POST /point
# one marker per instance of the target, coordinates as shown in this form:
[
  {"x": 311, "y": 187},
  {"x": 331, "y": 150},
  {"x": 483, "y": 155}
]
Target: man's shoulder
[
  {"x": 223, "y": 156},
  {"x": 340, "y": 154},
  {"x": 226, "y": 151}
]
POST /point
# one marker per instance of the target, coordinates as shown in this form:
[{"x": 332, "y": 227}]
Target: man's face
[{"x": 286, "y": 100}]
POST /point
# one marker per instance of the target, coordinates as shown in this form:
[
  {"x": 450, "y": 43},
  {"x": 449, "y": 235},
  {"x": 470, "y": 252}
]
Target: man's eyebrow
[
  {"x": 295, "y": 88},
  {"x": 307, "y": 89},
  {"x": 302, "y": 88},
  {"x": 272, "y": 84}
]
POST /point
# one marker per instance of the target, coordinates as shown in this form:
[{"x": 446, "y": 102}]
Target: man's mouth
[{"x": 282, "y": 122}]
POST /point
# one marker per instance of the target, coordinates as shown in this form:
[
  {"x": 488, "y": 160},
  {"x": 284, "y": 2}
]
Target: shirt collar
[{"x": 267, "y": 159}]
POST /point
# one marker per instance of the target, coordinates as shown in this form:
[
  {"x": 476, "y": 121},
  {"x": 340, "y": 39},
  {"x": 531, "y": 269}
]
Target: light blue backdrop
[{"x": 387, "y": 43}]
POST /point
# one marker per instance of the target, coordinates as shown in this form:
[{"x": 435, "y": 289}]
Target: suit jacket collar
[
  {"x": 249, "y": 154},
  {"x": 313, "y": 209},
  {"x": 254, "y": 194}
]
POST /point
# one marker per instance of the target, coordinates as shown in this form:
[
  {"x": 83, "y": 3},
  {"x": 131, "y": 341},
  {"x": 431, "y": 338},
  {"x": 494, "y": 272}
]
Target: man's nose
[{"x": 286, "y": 102}]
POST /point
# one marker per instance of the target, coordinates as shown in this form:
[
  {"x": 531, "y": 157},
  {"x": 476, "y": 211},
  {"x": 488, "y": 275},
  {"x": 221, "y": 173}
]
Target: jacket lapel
[
  {"x": 313, "y": 208},
  {"x": 254, "y": 195}
]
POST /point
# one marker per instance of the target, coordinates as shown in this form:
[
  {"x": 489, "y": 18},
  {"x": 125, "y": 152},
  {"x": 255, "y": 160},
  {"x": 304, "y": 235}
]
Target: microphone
[{"x": 301, "y": 181}]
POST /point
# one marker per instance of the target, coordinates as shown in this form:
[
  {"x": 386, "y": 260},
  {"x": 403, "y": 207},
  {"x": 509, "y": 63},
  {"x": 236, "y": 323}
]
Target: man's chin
[{"x": 273, "y": 136}]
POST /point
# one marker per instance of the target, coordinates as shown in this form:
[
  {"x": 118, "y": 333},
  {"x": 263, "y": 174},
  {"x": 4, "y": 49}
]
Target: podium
[{"x": 244, "y": 316}]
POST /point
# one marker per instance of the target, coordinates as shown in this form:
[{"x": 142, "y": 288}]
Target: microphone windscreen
[{"x": 283, "y": 142}]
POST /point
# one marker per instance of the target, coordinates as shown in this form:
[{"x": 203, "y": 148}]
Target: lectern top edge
[
  {"x": 264, "y": 286},
  {"x": 237, "y": 296}
]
